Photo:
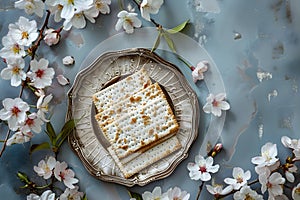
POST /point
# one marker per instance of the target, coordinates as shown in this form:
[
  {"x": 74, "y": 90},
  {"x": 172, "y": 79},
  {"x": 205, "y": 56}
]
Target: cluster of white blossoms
[
  {"x": 49, "y": 168},
  {"x": 73, "y": 12},
  {"x": 129, "y": 20},
  {"x": 23, "y": 121},
  {"x": 268, "y": 168},
  {"x": 171, "y": 194}
]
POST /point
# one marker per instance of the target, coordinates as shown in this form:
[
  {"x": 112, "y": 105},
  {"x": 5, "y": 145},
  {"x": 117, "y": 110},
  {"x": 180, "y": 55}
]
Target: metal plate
[{"x": 86, "y": 140}]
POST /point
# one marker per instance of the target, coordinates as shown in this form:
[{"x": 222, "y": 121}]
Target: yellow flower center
[
  {"x": 25, "y": 35},
  {"x": 16, "y": 49},
  {"x": 98, "y": 4},
  {"x": 129, "y": 21},
  {"x": 239, "y": 179},
  {"x": 15, "y": 70},
  {"x": 248, "y": 197},
  {"x": 266, "y": 155},
  {"x": 71, "y": 2}
]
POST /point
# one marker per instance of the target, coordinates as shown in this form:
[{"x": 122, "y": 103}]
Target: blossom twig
[
  {"x": 199, "y": 191},
  {"x": 4, "y": 142},
  {"x": 32, "y": 51}
]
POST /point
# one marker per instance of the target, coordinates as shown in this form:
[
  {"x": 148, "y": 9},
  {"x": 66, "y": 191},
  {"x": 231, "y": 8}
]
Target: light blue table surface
[{"x": 261, "y": 110}]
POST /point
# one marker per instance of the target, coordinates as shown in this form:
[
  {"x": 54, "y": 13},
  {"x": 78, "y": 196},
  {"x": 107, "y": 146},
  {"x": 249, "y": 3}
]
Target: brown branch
[{"x": 199, "y": 191}]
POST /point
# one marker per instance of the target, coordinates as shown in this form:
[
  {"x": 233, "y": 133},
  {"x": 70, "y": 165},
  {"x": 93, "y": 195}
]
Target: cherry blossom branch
[{"x": 32, "y": 52}]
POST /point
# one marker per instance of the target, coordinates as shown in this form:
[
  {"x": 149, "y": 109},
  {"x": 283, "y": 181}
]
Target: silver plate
[{"x": 86, "y": 140}]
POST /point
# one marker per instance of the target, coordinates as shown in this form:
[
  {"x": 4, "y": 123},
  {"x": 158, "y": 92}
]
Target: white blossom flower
[
  {"x": 73, "y": 194},
  {"x": 78, "y": 20},
  {"x": 14, "y": 112},
  {"x": 52, "y": 37},
  {"x": 61, "y": 173},
  {"x": 45, "y": 168},
  {"x": 55, "y": 8},
  {"x": 290, "y": 143},
  {"x": 101, "y": 6},
  {"x": 47, "y": 195},
  {"x": 239, "y": 179},
  {"x": 128, "y": 21},
  {"x": 43, "y": 106},
  {"x": 154, "y": 195},
  {"x": 31, "y": 123},
  {"x": 247, "y": 193},
  {"x": 68, "y": 60},
  {"x": 215, "y": 104},
  {"x": 296, "y": 192},
  {"x": 218, "y": 190},
  {"x": 24, "y": 32},
  {"x": 14, "y": 71},
  {"x": 273, "y": 183},
  {"x": 41, "y": 75},
  {"x": 150, "y": 7},
  {"x": 289, "y": 172},
  {"x": 31, "y": 6},
  {"x": 91, "y": 14},
  {"x": 11, "y": 48},
  {"x": 202, "y": 168},
  {"x": 19, "y": 138},
  {"x": 198, "y": 72},
  {"x": 176, "y": 193},
  {"x": 268, "y": 155},
  {"x": 72, "y": 6}
]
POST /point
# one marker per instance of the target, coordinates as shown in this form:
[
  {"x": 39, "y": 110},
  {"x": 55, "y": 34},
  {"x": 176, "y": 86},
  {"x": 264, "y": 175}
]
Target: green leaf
[
  {"x": 37, "y": 147},
  {"x": 169, "y": 42},
  {"x": 65, "y": 131},
  {"x": 156, "y": 42},
  {"x": 135, "y": 195},
  {"x": 51, "y": 133},
  {"x": 23, "y": 177},
  {"x": 84, "y": 197},
  {"x": 178, "y": 28}
]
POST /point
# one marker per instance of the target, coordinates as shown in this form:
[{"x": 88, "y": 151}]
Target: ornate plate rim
[{"x": 74, "y": 143}]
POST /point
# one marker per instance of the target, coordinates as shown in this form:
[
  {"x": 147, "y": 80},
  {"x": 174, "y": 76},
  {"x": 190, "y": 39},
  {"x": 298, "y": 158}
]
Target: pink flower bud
[{"x": 51, "y": 37}]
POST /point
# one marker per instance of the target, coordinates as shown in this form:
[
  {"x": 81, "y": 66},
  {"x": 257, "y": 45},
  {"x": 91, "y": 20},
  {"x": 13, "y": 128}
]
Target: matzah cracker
[
  {"x": 130, "y": 104},
  {"x": 147, "y": 158},
  {"x": 152, "y": 120},
  {"x": 118, "y": 91}
]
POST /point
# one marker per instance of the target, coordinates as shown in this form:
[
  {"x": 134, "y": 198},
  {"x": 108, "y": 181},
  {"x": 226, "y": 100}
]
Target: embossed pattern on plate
[{"x": 85, "y": 140}]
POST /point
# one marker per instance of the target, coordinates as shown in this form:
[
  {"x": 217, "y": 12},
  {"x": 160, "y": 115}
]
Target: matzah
[
  {"x": 150, "y": 120},
  {"x": 130, "y": 104},
  {"x": 118, "y": 91},
  {"x": 147, "y": 158}
]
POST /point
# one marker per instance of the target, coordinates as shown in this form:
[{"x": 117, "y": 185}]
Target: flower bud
[
  {"x": 23, "y": 177},
  {"x": 217, "y": 148},
  {"x": 51, "y": 37},
  {"x": 68, "y": 60}
]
